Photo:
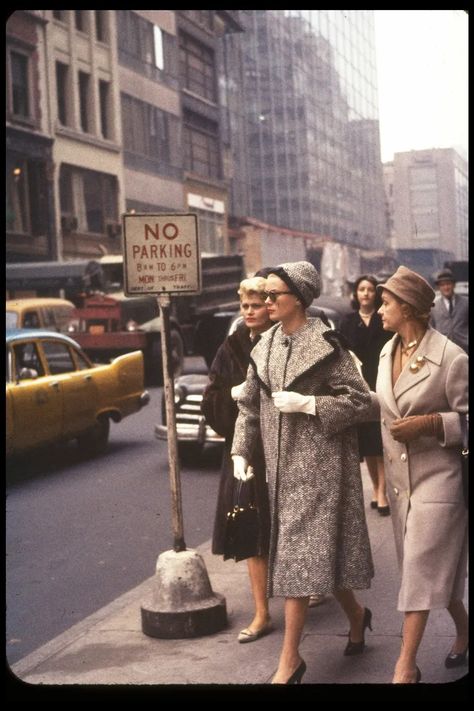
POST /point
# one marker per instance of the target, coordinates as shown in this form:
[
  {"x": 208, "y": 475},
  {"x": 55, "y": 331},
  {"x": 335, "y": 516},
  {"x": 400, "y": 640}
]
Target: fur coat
[{"x": 229, "y": 368}]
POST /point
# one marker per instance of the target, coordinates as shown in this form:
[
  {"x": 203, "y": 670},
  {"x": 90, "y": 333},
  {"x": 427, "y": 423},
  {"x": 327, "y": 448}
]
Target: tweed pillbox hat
[
  {"x": 301, "y": 278},
  {"x": 411, "y": 288}
]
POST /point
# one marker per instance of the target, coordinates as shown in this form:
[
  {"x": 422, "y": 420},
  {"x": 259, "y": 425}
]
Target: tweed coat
[
  {"x": 424, "y": 483},
  {"x": 229, "y": 368},
  {"x": 456, "y": 326},
  {"x": 319, "y": 540}
]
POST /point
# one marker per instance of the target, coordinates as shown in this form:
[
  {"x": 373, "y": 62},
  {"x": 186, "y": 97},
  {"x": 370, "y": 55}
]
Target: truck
[{"x": 106, "y": 323}]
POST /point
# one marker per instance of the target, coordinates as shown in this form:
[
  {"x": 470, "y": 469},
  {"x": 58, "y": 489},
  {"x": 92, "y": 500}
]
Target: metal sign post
[
  {"x": 161, "y": 257},
  {"x": 164, "y": 302}
]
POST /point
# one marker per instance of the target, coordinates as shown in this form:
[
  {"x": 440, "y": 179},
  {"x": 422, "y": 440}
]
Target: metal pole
[{"x": 168, "y": 384}]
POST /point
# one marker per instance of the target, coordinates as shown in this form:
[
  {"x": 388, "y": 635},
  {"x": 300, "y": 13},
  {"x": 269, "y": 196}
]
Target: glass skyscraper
[{"x": 310, "y": 110}]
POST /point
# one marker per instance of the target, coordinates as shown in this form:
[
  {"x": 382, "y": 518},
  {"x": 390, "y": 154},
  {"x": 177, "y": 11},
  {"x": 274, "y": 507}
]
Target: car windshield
[{"x": 11, "y": 319}]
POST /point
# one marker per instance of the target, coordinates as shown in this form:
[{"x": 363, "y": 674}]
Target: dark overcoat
[
  {"x": 367, "y": 341},
  {"x": 424, "y": 483},
  {"x": 319, "y": 540},
  {"x": 229, "y": 368}
]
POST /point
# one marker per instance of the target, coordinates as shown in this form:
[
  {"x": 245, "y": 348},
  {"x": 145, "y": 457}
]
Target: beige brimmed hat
[{"x": 411, "y": 288}]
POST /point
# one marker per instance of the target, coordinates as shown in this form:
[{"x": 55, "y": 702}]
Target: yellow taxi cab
[
  {"x": 54, "y": 392},
  {"x": 39, "y": 312}
]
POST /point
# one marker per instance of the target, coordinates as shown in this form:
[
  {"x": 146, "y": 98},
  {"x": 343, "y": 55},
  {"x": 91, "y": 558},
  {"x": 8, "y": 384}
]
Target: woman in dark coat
[
  {"x": 227, "y": 376},
  {"x": 366, "y": 336}
]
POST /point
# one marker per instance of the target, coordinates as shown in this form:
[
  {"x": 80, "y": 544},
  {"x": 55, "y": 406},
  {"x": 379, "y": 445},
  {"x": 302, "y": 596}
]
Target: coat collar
[
  {"x": 312, "y": 344},
  {"x": 431, "y": 349}
]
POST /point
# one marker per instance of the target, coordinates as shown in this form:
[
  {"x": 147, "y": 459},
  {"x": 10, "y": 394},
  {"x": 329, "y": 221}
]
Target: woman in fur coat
[
  {"x": 227, "y": 374},
  {"x": 303, "y": 396}
]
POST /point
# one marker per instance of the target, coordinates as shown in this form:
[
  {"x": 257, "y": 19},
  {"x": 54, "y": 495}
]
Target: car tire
[{"x": 95, "y": 440}]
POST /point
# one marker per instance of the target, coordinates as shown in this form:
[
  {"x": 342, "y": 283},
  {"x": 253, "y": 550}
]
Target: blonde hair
[{"x": 254, "y": 285}]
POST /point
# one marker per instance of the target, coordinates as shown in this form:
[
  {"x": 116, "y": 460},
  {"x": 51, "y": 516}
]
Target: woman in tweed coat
[
  {"x": 422, "y": 390},
  {"x": 302, "y": 395}
]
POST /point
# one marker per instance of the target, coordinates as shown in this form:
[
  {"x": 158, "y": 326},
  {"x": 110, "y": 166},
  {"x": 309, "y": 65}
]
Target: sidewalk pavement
[{"x": 109, "y": 647}]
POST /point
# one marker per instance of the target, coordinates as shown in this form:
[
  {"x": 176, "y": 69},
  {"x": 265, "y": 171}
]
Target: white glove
[
  {"x": 236, "y": 391},
  {"x": 241, "y": 468},
  {"x": 294, "y": 402}
]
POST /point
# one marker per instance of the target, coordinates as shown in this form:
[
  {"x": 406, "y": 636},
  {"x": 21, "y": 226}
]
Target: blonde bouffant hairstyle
[{"x": 254, "y": 285}]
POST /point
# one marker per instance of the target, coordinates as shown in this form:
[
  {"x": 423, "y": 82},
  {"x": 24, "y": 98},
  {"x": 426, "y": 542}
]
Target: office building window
[
  {"x": 152, "y": 134},
  {"x": 201, "y": 146},
  {"x": 88, "y": 196},
  {"x": 62, "y": 75},
  {"x": 20, "y": 95},
  {"x": 25, "y": 195},
  {"x": 80, "y": 20},
  {"x": 104, "y": 93},
  {"x": 196, "y": 64},
  {"x": 146, "y": 48},
  {"x": 101, "y": 25},
  {"x": 84, "y": 100},
  {"x": 60, "y": 15}
]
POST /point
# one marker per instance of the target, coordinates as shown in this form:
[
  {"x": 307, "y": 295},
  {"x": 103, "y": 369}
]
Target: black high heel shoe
[
  {"x": 297, "y": 675},
  {"x": 418, "y": 676},
  {"x": 455, "y": 660},
  {"x": 358, "y": 647}
]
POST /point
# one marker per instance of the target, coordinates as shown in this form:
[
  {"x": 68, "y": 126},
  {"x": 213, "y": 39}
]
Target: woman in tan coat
[{"x": 422, "y": 391}]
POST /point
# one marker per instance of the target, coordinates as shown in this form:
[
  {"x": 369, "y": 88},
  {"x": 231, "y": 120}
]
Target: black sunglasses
[{"x": 273, "y": 295}]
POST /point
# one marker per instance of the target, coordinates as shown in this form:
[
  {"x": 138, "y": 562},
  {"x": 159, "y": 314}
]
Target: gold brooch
[{"x": 416, "y": 365}]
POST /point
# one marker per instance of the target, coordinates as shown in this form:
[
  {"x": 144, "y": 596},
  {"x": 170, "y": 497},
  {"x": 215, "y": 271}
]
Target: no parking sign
[{"x": 161, "y": 254}]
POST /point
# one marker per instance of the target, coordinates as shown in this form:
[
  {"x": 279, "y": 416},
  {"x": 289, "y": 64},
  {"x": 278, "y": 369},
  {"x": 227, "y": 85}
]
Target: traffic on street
[{"x": 83, "y": 530}]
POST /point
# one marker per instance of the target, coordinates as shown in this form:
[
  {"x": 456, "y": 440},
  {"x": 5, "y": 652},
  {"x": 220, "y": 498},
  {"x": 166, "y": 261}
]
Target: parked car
[
  {"x": 54, "y": 392},
  {"x": 39, "y": 312},
  {"x": 193, "y": 431}
]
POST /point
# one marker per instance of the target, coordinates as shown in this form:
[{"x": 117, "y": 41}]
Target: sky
[{"x": 422, "y": 63}]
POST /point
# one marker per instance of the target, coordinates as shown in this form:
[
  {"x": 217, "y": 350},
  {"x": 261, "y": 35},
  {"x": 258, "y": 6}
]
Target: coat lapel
[
  {"x": 384, "y": 377},
  {"x": 307, "y": 353},
  {"x": 431, "y": 350}
]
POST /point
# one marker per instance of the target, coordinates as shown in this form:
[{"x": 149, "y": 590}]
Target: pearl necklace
[{"x": 408, "y": 347}]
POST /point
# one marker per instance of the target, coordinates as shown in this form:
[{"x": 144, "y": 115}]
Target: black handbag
[
  {"x": 465, "y": 458},
  {"x": 242, "y": 527}
]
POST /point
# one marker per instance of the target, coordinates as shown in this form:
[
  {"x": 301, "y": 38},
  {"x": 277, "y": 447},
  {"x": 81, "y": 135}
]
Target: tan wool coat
[{"x": 424, "y": 476}]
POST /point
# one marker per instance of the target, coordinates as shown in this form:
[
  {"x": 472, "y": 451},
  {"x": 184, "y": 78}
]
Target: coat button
[
  {"x": 403, "y": 457},
  {"x": 395, "y": 490},
  {"x": 383, "y": 420},
  {"x": 389, "y": 457}
]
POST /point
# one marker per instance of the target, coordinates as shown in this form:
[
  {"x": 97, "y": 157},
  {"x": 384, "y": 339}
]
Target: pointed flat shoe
[{"x": 248, "y": 635}]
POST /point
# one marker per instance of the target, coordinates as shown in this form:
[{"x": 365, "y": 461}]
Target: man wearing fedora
[{"x": 450, "y": 313}]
